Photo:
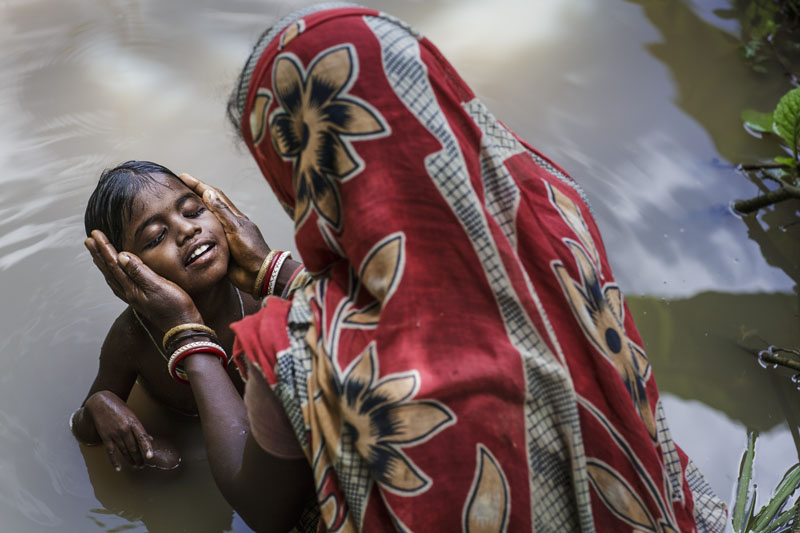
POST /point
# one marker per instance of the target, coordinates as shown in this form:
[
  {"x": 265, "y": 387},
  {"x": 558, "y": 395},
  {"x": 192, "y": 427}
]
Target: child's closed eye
[
  {"x": 195, "y": 213},
  {"x": 155, "y": 242}
]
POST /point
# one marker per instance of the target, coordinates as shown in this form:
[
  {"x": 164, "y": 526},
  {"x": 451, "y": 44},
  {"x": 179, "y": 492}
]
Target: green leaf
[
  {"x": 757, "y": 121},
  {"x": 787, "y": 486},
  {"x": 743, "y": 487},
  {"x": 787, "y": 119},
  {"x": 782, "y": 519},
  {"x": 749, "y": 517},
  {"x": 786, "y": 161}
]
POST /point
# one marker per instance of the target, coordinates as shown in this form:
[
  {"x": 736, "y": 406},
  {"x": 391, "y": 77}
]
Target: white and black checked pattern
[
  {"x": 672, "y": 462},
  {"x": 293, "y": 366},
  {"x": 501, "y": 192},
  {"x": 551, "y": 407},
  {"x": 539, "y": 160},
  {"x": 710, "y": 512},
  {"x": 354, "y": 475}
]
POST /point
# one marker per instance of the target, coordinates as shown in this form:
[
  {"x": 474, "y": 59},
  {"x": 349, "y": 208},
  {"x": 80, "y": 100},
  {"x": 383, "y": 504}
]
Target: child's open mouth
[{"x": 199, "y": 252}]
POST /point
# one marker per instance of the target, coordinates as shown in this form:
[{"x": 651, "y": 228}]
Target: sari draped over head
[{"x": 460, "y": 357}]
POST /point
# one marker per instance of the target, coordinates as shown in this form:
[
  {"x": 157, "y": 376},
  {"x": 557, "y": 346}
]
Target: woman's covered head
[{"x": 144, "y": 208}]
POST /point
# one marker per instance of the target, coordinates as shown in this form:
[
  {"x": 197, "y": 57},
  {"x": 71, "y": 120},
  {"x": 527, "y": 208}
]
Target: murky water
[{"x": 638, "y": 100}]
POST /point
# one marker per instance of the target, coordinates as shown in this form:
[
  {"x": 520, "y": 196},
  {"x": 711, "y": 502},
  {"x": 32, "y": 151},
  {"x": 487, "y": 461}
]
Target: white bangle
[
  {"x": 273, "y": 279},
  {"x": 174, "y": 358},
  {"x": 258, "y": 287}
]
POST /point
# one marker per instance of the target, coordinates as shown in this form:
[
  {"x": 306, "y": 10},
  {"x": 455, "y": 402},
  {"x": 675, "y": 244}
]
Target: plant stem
[
  {"x": 784, "y": 192},
  {"x": 761, "y": 166},
  {"x": 775, "y": 360}
]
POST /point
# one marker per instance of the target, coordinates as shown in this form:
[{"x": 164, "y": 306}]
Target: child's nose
[{"x": 187, "y": 229}]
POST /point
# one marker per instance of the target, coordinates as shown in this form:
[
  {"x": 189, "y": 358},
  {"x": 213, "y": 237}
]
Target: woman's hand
[
  {"x": 119, "y": 429},
  {"x": 247, "y": 247},
  {"x": 161, "y": 301}
]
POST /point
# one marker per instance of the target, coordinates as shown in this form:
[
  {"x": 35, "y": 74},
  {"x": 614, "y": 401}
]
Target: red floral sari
[{"x": 461, "y": 357}]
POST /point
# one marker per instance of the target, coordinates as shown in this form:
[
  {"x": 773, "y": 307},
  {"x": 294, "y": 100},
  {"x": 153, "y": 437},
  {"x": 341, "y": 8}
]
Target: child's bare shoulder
[{"x": 124, "y": 339}]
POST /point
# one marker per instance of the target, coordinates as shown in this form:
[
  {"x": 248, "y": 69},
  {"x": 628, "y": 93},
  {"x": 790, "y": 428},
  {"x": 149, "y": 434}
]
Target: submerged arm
[
  {"x": 104, "y": 416},
  {"x": 267, "y": 491}
]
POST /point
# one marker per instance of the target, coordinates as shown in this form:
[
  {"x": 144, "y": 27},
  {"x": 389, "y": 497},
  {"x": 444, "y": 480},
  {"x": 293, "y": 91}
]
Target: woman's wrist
[
  {"x": 288, "y": 269},
  {"x": 188, "y": 347},
  {"x": 198, "y": 364}
]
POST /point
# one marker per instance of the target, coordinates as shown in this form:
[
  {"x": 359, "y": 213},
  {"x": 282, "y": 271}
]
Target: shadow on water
[{"x": 704, "y": 348}]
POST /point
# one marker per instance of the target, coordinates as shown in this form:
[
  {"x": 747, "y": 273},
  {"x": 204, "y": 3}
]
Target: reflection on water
[{"x": 638, "y": 100}]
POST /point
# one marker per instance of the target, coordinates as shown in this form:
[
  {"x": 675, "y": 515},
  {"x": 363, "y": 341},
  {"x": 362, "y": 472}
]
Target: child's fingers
[
  {"x": 132, "y": 447},
  {"x": 112, "y": 455},
  {"x": 144, "y": 440},
  {"x": 122, "y": 449}
]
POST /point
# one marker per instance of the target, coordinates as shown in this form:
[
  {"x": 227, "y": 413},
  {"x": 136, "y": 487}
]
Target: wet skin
[
  {"x": 268, "y": 490},
  {"x": 178, "y": 238}
]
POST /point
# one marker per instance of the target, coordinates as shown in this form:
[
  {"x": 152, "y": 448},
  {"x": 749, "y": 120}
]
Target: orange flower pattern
[{"x": 315, "y": 124}]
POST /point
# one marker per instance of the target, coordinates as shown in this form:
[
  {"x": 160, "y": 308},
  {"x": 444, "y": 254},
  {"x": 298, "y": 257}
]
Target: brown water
[{"x": 638, "y": 100}]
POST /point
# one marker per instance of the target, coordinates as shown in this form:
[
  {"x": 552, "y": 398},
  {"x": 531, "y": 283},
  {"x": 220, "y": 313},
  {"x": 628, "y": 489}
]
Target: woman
[{"x": 461, "y": 357}]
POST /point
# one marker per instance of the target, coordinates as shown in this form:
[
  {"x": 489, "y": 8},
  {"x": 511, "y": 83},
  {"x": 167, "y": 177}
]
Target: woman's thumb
[
  {"x": 219, "y": 208},
  {"x": 133, "y": 267}
]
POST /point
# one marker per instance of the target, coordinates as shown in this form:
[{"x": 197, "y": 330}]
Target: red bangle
[{"x": 176, "y": 373}]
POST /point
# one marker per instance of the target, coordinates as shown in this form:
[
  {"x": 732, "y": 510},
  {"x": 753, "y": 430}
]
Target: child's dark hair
[{"x": 109, "y": 206}]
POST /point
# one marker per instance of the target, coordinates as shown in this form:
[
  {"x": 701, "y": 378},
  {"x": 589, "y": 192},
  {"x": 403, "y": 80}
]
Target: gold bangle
[
  {"x": 184, "y": 327},
  {"x": 262, "y": 273}
]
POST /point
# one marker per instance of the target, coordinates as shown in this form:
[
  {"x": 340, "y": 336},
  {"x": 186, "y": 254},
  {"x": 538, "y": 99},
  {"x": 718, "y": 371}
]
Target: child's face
[{"x": 176, "y": 236}]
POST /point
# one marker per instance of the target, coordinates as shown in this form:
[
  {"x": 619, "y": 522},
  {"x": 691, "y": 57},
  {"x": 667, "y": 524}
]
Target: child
[{"x": 143, "y": 208}]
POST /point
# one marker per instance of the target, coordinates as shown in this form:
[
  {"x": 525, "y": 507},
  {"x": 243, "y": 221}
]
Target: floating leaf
[
  {"x": 757, "y": 121},
  {"x": 743, "y": 488},
  {"x": 787, "y": 486},
  {"x": 787, "y": 119}
]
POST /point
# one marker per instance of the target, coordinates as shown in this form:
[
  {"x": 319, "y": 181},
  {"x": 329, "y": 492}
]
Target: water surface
[{"x": 638, "y": 100}]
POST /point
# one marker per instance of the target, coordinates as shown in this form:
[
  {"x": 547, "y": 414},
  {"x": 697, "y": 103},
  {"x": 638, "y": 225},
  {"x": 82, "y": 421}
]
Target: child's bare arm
[{"x": 104, "y": 416}]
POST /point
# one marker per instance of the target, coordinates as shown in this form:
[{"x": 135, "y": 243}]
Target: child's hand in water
[
  {"x": 161, "y": 301},
  {"x": 122, "y": 434},
  {"x": 247, "y": 246}
]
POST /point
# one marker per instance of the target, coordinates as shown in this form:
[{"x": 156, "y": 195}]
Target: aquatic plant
[
  {"x": 771, "y": 518},
  {"x": 783, "y": 123},
  {"x": 768, "y": 32}
]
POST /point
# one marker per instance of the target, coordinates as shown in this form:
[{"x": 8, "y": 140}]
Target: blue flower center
[{"x": 613, "y": 341}]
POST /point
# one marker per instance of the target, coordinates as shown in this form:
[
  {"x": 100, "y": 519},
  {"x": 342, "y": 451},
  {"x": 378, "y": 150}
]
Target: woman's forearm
[
  {"x": 269, "y": 493},
  {"x": 222, "y": 415}
]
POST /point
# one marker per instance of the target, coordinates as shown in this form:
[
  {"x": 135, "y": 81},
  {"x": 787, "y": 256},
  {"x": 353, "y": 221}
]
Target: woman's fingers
[
  {"x": 108, "y": 256},
  {"x": 222, "y": 210},
  {"x": 200, "y": 189},
  {"x": 137, "y": 272},
  {"x": 100, "y": 263},
  {"x": 193, "y": 183}
]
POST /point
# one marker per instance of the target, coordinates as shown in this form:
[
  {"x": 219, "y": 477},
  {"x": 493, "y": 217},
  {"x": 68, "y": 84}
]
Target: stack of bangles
[
  {"x": 267, "y": 276},
  {"x": 178, "y": 334}
]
